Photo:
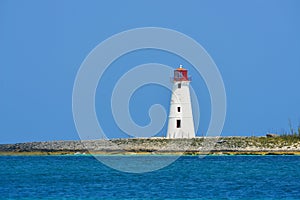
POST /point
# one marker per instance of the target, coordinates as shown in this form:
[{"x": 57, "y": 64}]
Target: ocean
[{"x": 189, "y": 177}]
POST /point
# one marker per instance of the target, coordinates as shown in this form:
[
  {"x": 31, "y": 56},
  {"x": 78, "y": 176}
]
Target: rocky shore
[{"x": 195, "y": 146}]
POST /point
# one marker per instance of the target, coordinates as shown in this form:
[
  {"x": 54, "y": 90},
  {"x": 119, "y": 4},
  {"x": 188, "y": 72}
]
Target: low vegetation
[{"x": 293, "y": 135}]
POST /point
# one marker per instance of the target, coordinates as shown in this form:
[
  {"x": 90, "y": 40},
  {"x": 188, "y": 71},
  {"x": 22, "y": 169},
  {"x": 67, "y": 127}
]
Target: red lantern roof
[{"x": 181, "y": 74}]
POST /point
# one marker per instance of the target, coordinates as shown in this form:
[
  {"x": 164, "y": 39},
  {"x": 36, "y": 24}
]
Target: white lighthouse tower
[{"x": 181, "y": 123}]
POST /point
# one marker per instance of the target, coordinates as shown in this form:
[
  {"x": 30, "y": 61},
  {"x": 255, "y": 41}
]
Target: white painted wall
[{"x": 181, "y": 98}]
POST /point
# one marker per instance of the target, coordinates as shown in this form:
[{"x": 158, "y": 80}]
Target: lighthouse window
[
  {"x": 178, "y": 123},
  {"x": 179, "y": 85},
  {"x": 178, "y": 109}
]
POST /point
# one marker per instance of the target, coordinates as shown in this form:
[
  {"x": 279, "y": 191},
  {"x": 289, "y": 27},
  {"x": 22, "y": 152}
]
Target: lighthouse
[{"x": 181, "y": 123}]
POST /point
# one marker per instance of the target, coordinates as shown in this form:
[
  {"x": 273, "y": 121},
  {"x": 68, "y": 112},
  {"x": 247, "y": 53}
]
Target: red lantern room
[{"x": 181, "y": 74}]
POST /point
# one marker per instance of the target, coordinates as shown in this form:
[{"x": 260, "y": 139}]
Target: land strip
[{"x": 194, "y": 146}]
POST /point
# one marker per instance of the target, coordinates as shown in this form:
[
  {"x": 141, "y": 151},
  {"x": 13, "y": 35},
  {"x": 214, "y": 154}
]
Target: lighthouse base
[
  {"x": 180, "y": 134},
  {"x": 186, "y": 129}
]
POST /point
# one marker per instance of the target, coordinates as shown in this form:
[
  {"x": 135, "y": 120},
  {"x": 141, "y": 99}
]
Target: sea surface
[{"x": 189, "y": 177}]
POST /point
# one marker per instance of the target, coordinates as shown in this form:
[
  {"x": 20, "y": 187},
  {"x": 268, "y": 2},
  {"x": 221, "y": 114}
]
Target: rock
[{"x": 272, "y": 135}]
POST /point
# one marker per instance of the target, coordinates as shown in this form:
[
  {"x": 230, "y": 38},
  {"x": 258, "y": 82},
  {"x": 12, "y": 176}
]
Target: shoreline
[
  {"x": 219, "y": 153},
  {"x": 160, "y": 146}
]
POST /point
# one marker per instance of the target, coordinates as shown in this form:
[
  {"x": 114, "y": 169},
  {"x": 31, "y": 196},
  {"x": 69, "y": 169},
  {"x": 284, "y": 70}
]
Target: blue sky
[{"x": 254, "y": 43}]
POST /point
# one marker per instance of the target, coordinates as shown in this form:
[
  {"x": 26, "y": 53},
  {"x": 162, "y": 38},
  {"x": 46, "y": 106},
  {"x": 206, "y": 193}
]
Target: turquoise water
[{"x": 213, "y": 177}]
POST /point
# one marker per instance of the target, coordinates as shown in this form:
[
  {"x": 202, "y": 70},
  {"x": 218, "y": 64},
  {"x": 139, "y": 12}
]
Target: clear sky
[{"x": 255, "y": 44}]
